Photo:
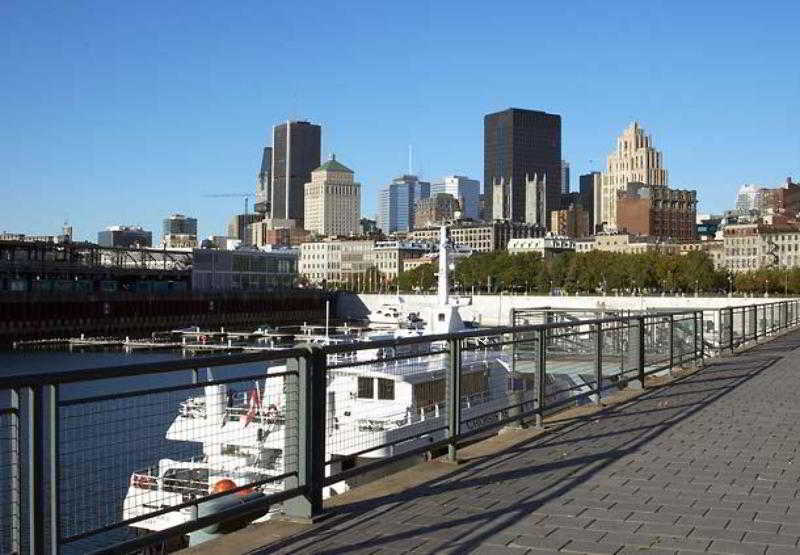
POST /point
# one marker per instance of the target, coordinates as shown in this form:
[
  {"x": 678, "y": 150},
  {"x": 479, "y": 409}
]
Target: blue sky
[{"x": 123, "y": 112}]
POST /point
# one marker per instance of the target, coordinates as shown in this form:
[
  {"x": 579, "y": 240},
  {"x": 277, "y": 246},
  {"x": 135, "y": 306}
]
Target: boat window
[
  {"x": 385, "y": 389},
  {"x": 366, "y": 388}
]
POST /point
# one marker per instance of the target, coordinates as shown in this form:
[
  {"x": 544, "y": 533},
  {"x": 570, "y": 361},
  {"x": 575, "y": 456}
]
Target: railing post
[
  {"x": 702, "y": 337},
  {"x": 43, "y": 461},
  {"x": 454, "y": 398},
  {"x": 598, "y": 361},
  {"x": 641, "y": 351},
  {"x": 671, "y": 321},
  {"x": 307, "y": 442},
  {"x": 14, "y": 475},
  {"x": 730, "y": 327},
  {"x": 541, "y": 371},
  {"x": 744, "y": 325}
]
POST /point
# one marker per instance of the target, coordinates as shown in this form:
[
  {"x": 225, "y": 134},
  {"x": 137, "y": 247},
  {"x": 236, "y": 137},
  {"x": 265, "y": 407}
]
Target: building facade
[
  {"x": 479, "y": 236},
  {"x": 239, "y": 227},
  {"x": 752, "y": 246},
  {"x": 277, "y": 233},
  {"x": 125, "y": 236},
  {"x": 295, "y": 154},
  {"x": 396, "y": 203},
  {"x": 242, "y": 269},
  {"x": 657, "y": 211},
  {"x": 546, "y": 246},
  {"x": 435, "y": 210},
  {"x": 517, "y": 143},
  {"x": 333, "y": 200},
  {"x": 634, "y": 160},
  {"x": 179, "y": 232},
  {"x": 465, "y": 190},
  {"x": 572, "y": 222},
  {"x": 335, "y": 261}
]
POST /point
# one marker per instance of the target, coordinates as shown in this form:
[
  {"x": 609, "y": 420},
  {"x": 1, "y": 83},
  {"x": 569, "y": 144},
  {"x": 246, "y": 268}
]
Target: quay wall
[
  {"x": 24, "y": 316},
  {"x": 494, "y": 310}
]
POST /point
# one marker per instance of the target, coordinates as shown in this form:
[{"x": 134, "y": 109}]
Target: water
[{"x": 102, "y": 443}]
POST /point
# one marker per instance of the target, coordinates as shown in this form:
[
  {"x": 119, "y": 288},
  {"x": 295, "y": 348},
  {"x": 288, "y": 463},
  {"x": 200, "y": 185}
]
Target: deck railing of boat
[{"x": 75, "y": 438}]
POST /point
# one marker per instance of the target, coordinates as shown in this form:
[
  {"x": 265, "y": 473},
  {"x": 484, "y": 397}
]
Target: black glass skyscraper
[
  {"x": 517, "y": 143},
  {"x": 295, "y": 154}
]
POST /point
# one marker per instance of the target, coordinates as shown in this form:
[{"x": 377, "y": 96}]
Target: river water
[{"x": 102, "y": 443}]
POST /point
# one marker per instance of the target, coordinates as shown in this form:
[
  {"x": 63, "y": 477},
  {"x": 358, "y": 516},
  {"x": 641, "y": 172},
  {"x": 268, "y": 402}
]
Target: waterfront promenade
[{"x": 708, "y": 463}]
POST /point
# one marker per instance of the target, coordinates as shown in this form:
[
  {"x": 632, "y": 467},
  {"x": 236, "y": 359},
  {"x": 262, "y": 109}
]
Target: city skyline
[{"x": 112, "y": 118}]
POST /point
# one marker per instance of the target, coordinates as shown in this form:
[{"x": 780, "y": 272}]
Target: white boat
[{"x": 380, "y": 402}]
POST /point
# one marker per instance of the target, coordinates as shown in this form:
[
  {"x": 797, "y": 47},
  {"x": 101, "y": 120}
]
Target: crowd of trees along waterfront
[{"x": 597, "y": 271}]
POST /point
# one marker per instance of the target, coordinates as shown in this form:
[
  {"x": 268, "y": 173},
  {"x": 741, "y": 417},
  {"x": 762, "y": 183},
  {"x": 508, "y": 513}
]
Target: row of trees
[{"x": 598, "y": 271}]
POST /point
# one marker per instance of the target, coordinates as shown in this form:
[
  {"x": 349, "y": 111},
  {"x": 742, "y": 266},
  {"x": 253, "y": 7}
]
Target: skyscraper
[
  {"x": 634, "y": 161},
  {"x": 465, "y": 190},
  {"x": 333, "y": 200},
  {"x": 564, "y": 177},
  {"x": 264, "y": 181},
  {"x": 295, "y": 154},
  {"x": 589, "y": 192},
  {"x": 397, "y": 200},
  {"x": 517, "y": 143}
]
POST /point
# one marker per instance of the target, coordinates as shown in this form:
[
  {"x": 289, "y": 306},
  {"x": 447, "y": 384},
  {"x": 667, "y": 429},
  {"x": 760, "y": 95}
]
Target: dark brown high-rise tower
[
  {"x": 295, "y": 154},
  {"x": 517, "y": 143}
]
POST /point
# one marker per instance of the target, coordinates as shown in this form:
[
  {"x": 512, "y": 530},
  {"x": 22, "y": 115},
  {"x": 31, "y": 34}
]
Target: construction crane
[{"x": 246, "y": 197}]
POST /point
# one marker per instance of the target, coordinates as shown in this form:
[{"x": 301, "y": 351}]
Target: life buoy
[{"x": 223, "y": 485}]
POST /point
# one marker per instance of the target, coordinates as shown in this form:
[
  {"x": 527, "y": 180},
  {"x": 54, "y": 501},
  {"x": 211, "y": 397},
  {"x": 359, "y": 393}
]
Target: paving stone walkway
[{"x": 709, "y": 464}]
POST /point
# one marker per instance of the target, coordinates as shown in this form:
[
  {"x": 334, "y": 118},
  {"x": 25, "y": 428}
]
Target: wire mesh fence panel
[
  {"x": 659, "y": 335},
  {"x": 142, "y": 459},
  {"x": 684, "y": 340},
  {"x": 497, "y": 375},
  {"x": 570, "y": 372},
  {"x": 385, "y": 401}
]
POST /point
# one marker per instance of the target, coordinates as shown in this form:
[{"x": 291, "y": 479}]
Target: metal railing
[{"x": 88, "y": 454}]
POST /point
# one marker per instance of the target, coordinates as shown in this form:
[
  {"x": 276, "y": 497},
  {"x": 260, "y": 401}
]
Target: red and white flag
[{"x": 254, "y": 404}]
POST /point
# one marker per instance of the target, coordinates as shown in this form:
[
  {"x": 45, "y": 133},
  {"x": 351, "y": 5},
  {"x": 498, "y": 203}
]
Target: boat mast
[{"x": 444, "y": 284}]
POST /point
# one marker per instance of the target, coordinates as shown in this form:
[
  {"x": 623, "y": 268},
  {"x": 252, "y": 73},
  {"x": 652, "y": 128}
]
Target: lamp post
[
  {"x": 697, "y": 288},
  {"x": 551, "y": 287},
  {"x": 766, "y": 288},
  {"x": 730, "y": 285}
]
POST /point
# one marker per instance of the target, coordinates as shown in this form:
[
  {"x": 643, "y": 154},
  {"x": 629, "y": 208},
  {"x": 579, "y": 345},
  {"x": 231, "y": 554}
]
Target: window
[
  {"x": 366, "y": 388},
  {"x": 385, "y": 389}
]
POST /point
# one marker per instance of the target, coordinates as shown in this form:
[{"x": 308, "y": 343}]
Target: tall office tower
[
  {"x": 333, "y": 200},
  {"x": 564, "y": 177},
  {"x": 536, "y": 212},
  {"x": 517, "y": 143},
  {"x": 465, "y": 190},
  {"x": 397, "y": 200},
  {"x": 589, "y": 184},
  {"x": 264, "y": 181},
  {"x": 634, "y": 161},
  {"x": 295, "y": 154}
]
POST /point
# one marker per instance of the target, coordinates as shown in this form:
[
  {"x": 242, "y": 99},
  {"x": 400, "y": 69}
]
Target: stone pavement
[{"x": 707, "y": 464}]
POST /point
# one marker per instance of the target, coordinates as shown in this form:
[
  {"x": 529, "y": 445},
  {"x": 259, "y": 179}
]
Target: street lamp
[
  {"x": 766, "y": 288},
  {"x": 697, "y": 288},
  {"x": 730, "y": 285}
]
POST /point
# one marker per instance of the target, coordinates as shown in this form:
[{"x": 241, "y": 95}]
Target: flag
[{"x": 254, "y": 403}]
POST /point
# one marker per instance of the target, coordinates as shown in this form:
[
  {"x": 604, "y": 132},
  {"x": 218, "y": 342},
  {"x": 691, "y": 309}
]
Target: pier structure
[{"x": 619, "y": 433}]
